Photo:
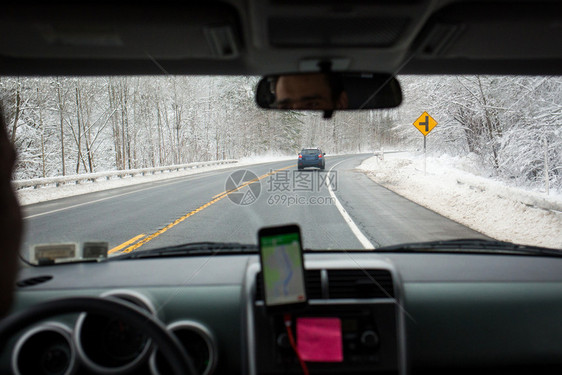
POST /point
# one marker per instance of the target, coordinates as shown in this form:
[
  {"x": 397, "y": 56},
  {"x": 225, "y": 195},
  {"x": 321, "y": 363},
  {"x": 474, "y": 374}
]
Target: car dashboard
[{"x": 398, "y": 312}]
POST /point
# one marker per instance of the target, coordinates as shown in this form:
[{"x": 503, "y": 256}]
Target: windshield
[
  {"x": 310, "y": 151},
  {"x": 138, "y": 163}
]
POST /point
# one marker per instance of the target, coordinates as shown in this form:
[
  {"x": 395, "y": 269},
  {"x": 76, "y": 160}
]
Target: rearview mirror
[{"x": 328, "y": 91}]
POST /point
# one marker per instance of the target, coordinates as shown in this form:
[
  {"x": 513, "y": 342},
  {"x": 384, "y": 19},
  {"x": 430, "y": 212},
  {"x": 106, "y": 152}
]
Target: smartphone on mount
[{"x": 282, "y": 264}]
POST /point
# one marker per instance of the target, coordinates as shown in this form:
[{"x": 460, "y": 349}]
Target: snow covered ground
[
  {"x": 452, "y": 187},
  {"x": 30, "y": 196}
]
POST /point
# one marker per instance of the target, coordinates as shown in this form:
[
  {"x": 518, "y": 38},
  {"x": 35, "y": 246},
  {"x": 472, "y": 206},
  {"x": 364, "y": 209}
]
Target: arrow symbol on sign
[{"x": 426, "y": 123}]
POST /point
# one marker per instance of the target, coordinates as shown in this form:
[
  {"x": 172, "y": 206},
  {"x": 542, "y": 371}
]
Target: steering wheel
[{"x": 167, "y": 343}]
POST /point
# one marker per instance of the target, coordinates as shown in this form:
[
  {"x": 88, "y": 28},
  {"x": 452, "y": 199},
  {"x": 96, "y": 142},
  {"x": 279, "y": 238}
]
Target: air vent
[
  {"x": 33, "y": 281},
  {"x": 313, "y": 285},
  {"x": 359, "y": 283}
]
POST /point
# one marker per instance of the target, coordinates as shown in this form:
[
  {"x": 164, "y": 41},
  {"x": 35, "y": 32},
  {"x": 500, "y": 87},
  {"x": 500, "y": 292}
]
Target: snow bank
[{"x": 453, "y": 188}]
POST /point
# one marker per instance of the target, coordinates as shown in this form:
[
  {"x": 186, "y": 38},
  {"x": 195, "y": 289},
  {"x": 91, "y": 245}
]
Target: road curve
[{"x": 232, "y": 204}]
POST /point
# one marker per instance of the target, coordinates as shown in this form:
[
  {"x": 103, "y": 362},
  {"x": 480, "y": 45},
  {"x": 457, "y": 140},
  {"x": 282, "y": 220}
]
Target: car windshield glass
[
  {"x": 136, "y": 163},
  {"x": 310, "y": 152}
]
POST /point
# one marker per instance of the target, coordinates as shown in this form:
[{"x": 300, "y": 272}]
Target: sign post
[{"x": 425, "y": 124}]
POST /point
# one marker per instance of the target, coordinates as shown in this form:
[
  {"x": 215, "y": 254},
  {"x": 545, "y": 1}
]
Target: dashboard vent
[
  {"x": 33, "y": 281},
  {"x": 358, "y": 283},
  {"x": 312, "y": 280},
  {"x": 313, "y": 284}
]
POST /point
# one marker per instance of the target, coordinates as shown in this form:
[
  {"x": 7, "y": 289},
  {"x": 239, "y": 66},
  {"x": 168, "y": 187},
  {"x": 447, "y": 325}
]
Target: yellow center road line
[
  {"x": 215, "y": 199},
  {"x": 124, "y": 244}
]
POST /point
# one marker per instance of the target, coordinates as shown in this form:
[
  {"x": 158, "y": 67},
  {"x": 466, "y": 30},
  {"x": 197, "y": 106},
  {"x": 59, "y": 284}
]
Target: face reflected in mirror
[{"x": 320, "y": 91}]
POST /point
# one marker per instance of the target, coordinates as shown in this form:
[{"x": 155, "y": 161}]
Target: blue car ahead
[{"x": 311, "y": 157}]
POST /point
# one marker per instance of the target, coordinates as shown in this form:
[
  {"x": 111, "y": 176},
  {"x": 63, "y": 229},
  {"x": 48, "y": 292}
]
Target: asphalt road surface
[{"x": 338, "y": 208}]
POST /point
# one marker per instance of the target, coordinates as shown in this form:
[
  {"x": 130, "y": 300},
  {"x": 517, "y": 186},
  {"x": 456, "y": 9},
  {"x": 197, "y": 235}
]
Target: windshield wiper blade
[
  {"x": 195, "y": 248},
  {"x": 472, "y": 245}
]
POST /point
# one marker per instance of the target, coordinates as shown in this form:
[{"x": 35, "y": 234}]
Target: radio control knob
[{"x": 370, "y": 339}]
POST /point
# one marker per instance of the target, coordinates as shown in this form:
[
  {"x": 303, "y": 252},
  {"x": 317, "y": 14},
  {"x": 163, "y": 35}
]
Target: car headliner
[{"x": 257, "y": 37}]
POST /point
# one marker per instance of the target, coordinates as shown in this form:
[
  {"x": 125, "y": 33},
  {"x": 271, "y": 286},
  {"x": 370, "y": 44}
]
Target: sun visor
[
  {"x": 494, "y": 31},
  {"x": 117, "y": 31}
]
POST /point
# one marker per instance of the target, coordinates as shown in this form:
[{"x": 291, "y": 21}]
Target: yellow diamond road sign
[{"x": 425, "y": 123}]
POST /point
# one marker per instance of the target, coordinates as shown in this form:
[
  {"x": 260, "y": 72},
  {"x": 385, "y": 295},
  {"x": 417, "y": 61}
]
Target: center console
[{"x": 353, "y": 324}]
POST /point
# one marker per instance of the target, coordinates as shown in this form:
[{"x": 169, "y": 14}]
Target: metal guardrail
[{"x": 93, "y": 177}]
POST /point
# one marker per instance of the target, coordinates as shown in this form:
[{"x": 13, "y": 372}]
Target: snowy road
[{"x": 218, "y": 206}]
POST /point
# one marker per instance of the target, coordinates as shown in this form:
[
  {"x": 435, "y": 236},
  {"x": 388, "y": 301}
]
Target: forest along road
[{"x": 338, "y": 208}]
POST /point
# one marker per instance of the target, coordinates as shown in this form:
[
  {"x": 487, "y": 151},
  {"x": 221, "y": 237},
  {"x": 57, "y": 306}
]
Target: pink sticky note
[{"x": 320, "y": 339}]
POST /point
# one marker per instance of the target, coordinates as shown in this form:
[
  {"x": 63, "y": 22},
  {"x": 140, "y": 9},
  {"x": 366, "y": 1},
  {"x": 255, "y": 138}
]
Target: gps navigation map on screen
[{"x": 282, "y": 269}]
